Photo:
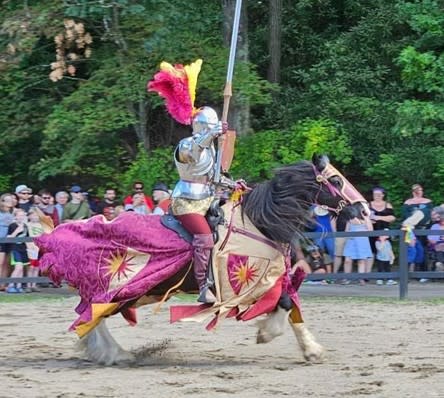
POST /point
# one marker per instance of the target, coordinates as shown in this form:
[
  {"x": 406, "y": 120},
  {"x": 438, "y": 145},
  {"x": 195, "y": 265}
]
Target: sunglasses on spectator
[
  {"x": 138, "y": 188},
  {"x": 46, "y": 197},
  {"x": 25, "y": 193}
]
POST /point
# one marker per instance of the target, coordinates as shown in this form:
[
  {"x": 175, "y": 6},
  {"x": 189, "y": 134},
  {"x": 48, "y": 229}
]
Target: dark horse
[{"x": 134, "y": 260}]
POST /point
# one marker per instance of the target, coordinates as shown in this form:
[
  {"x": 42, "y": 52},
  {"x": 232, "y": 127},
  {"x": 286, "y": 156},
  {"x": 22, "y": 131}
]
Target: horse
[{"x": 135, "y": 260}]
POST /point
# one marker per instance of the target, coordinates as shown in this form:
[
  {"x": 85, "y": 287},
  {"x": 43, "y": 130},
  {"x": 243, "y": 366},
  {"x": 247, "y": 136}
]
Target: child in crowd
[
  {"x": 315, "y": 262},
  {"x": 384, "y": 257},
  {"x": 35, "y": 228},
  {"x": 318, "y": 261},
  {"x": 357, "y": 247},
  {"x": 19, "y": 257},
  {"x": 415, "y": 255}
]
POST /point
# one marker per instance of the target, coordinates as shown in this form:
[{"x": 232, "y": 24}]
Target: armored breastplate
[{"x": 195, "y": 176}]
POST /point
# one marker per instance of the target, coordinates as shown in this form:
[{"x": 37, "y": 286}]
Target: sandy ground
[{"x": 374, "y": 349}]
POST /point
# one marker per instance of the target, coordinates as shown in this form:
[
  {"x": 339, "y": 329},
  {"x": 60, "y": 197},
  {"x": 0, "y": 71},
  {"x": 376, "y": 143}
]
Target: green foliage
[
  {"x": 257, "y": 155},
  {"x": 157, "y": 165},
  {"x": 411, "y": 164},
  {"x": 5, "y": 183},
  {"x": 362, "y": 81}
]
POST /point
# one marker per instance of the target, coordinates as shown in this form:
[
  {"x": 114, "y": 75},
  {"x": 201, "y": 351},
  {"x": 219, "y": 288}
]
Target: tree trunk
[
  {"x": 274, "y": 41},
  {"x": 239, "y": 112}
]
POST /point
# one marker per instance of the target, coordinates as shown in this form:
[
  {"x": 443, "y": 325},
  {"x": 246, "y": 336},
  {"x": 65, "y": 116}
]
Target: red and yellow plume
[{"x": 177, "y": 85}]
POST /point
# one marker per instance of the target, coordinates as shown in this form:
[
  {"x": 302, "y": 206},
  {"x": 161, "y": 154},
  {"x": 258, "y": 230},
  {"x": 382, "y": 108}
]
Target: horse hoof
[
  {"x": 263, "y": 337},
  {"x": 316, "y": 354}
]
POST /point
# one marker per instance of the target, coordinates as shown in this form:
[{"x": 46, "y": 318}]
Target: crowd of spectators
[
  {"x": 24, "y": 214},
  {"x": 425, "y": 253},
  {"x": 21, "y": 216}
]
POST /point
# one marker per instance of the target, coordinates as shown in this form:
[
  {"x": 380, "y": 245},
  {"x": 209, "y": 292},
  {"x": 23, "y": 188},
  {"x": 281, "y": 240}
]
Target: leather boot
[{"x": 203, "y": 243}]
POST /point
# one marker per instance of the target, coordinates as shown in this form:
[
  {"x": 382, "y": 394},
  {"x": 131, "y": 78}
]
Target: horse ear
[{"x": 320, "y": 161}]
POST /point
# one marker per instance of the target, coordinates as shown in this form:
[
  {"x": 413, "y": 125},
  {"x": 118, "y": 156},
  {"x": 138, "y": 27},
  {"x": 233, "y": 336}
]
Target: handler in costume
[{"x": 195, "y": 159}]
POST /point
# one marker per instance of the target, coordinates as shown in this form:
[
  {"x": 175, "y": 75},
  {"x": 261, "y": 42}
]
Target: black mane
[{"x": 279, "y": 208}]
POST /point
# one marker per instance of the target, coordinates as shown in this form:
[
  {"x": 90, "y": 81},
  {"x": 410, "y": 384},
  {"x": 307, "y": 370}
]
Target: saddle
[{"x": 215, "y": 216}]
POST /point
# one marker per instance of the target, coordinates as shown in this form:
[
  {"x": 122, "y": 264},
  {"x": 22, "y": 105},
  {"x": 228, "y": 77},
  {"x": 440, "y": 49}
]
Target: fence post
[{"x": 403, "y": 267}]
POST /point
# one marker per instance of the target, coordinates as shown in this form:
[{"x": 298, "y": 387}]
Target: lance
[{"x": 225, "y": 142}]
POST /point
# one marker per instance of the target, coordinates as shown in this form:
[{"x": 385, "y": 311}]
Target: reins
[{"x": 237, "y": 197}]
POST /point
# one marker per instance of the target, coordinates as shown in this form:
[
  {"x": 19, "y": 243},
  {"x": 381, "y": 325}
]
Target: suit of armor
[{"x": 195, "y": 159}]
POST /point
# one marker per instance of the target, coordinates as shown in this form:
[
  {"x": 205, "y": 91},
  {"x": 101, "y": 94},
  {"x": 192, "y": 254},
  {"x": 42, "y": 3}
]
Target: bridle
[{"x": 347, "y": 192}]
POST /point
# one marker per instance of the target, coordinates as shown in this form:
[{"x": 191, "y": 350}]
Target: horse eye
[{"x": 336, "y": 181}]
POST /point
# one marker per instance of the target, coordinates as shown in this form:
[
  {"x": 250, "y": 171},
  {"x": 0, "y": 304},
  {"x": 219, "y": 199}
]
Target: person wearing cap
[
  {"x": 381, "y": 215},
  {"x": 24, "y": 194},
  {"x": 162, "y": 198},
  {"x": 77, "y": 208}
]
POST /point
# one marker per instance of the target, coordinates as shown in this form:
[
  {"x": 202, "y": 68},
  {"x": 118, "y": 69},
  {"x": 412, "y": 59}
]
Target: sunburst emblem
[
  {"x": 243, "y": 273},
  {"x": 119, "y": 265}
]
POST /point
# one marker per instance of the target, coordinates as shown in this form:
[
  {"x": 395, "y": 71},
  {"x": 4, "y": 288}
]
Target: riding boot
[{"x": 203, "y": 243}]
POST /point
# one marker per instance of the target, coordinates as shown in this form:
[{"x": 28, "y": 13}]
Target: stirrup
[{"x": 206, "y": 296}]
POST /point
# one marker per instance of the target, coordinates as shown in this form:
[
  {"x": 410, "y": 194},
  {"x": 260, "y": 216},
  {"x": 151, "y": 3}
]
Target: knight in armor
[{"x": 195, "y": 159}]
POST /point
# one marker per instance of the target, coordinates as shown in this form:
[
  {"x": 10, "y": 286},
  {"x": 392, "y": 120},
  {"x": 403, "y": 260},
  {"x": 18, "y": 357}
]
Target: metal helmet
[{"x": 205, "y": 119}]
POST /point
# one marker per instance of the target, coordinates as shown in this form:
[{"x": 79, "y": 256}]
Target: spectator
[
  {"x": 24, "y": 197},
  {"x": 323, "y": 224},
  {"x": 418, "y": 203},
  {"x": 316, "y": 260},
  {"x": 46, "y": 207},
  {"x": 19, "y": 257},
  {"x": 339, "y": 224},
  {"x": 138, "y": 204},
  {"x": 161, "y": 196},
  {"x": 109, "y": 213},
  {"x": 92, "y": 202},
  {"x": 109, "y": 201},
  {"x": 77, "y": 208},
  {"x": 382, "y": 215},
  {"x": 422, "y": 206},
  {"x": 61, "y": 199},
  {"x": 415, "y": 255},
  {"x": 6, "y": 219},
  {"x": 357, "y": 247},
  {"x": 138, "y": 188},
  {"x": 15, "y": 200},
  {"x": 118, "y": 210},
  {"x": 384, "y": 257},
  {"x": 436, "y": 242},
  {"x": 35, "y": 228}
]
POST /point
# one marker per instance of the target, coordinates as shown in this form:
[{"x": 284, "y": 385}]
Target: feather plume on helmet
[{"x": 177, "y": 85}]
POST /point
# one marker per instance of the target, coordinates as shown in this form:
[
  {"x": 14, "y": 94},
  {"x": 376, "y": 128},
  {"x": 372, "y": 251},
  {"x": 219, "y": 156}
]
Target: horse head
[
  {"x": 336, "y": 193},
  {"x": 279, "y": 208}
]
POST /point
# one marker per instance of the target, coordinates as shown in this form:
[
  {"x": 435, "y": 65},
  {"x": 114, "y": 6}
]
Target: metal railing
[{"x": 402, "y": 273}]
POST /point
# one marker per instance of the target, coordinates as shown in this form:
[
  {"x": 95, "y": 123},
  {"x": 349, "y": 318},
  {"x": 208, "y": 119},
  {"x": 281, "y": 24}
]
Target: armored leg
[{"x": 203, "y": 243}]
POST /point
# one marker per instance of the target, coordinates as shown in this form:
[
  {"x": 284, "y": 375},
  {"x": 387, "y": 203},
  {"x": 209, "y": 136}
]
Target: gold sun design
[
  {"x": 119, "y": 265},
  {"x": 244, "y": 273}
]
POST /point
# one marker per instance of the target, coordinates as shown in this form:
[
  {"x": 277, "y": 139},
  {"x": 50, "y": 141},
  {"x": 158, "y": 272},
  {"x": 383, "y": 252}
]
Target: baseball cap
[
  {"x": 160, "y": 186},
  {"x": 76, "y": 189},
  {"x": 22, "y": 188}
]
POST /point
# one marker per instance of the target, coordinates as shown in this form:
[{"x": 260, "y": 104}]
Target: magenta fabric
[{"x": 76, "y": 252}]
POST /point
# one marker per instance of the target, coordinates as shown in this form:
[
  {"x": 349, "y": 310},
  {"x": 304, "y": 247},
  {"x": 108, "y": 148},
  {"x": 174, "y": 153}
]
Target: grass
[
  {"x": 28, "y": 298},
  {"x": 369, "y": 300}
]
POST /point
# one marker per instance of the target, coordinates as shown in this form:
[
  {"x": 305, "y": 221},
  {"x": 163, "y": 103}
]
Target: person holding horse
[{"x": 195, "y": 159}]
